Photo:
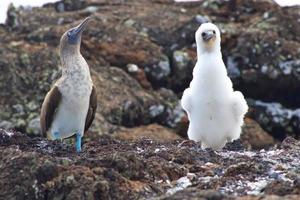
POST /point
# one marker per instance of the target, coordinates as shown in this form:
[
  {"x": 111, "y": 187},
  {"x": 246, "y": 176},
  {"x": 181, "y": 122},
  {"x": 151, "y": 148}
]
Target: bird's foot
[
  {"x": 186, "y": 143},
  {"x": 78, "y": 142},
  {"x": 56, "y": 135}
]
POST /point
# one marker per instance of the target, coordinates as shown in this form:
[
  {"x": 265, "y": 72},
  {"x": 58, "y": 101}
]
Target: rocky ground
[
  {"x": 153, "y": 60},
  {"x": 141, "y": 55},
  {"x": 145, "y": 169}
]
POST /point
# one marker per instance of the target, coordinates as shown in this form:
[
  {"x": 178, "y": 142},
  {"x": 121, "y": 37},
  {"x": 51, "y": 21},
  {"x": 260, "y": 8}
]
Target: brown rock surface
[
  {"x": 34, "y": 168},
  {"x": 153, "y": 132},
  {"x": 254, "y": 136},
  {"x": 260, "y": 47}
]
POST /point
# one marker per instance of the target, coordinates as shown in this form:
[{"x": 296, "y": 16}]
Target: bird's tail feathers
[
  {"x": 240, "y": 106},
  {"x": 185, "y": 100}
]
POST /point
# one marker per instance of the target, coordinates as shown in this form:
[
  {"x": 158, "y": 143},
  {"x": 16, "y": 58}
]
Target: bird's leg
[
  {"x": 78, "y": 142},
  {"x": 204, "y": 146},
  {"x": 186, "y": 143},
  {"x": 56, "y": 135}
]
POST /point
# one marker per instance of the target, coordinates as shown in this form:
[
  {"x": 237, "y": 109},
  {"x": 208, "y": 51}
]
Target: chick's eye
[
  {"x": 203, "y": 34},
  {"x": 214, "y": 32}
]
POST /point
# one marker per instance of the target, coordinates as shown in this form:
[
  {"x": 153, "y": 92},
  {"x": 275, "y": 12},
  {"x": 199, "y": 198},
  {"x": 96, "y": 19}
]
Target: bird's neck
[
  {"x": 73, "y": 62},
  {"x": 213, "y": 55},
  {"x": 212, "y": 52},
  {"x": 209, "y": 64}
]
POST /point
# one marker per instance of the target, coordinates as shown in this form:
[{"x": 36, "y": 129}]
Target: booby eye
[
  {"x": 203, "y": 34},
  {"x": 214, "y": 32}
]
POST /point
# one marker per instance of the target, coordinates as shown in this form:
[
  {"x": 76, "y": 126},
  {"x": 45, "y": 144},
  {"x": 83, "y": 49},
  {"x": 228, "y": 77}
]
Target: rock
[
  {"x": 132, "y": 68},
  {"x": 253, "y": 136},
  {"x": 139, "y": 75},
  {"x": 140, "y": 66},
  {"x": 242, "y": 168},
  {"x": 6, "y": 125},
  {"x": 158, "y": 55},
  {"x": 175, "y": 115},
  {"x": 12, "y": 20},
  {"x": 143, "y": 168},
  {"x": 153, "y": 132},
  {"x": 34, "y": 126},
  {"x": 282, "y": 188},
  {"x": 125, "y": 103},
  {"x": 67, "y": 5},
  {"x": 160, "y": 71},
  {"x": 129, "y": 107},
  {"x": 194, "y": 194},
  {"x": 232, "y": 68},
  {"x": 290, "y": 143},
  {"x": 270, "y": 65},
  {"x": 183, "y": 64},
  {"x": 276, "y": 119},
  {"x": 182, "y": 126},
  {"x": 156, "y": 110}
]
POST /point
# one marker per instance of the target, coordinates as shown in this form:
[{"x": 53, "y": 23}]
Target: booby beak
[
  {"x": 207, "y": 35},
  {"x": 82, "y": 26},
  {"x": 75, "y": 33}
]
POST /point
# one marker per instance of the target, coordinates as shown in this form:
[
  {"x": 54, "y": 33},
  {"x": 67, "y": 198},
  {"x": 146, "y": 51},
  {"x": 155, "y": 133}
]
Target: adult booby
[
  {"x": 215, "y": 111},
  {"x": 69, "y": 107}
]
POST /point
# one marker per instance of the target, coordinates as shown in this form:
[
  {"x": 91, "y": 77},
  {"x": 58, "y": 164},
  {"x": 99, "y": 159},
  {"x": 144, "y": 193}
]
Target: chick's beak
[
  {"x": 208, "y": 35},
  {"x": 82, "y": 25}
]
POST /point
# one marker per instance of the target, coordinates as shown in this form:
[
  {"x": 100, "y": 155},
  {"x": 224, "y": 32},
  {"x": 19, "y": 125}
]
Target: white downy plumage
[{"x": 215, "y": 111}]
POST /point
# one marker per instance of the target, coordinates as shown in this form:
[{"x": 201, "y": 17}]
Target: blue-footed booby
[
  {"x": 70, "y": 105},
  {"x": 215, "y": 111}
]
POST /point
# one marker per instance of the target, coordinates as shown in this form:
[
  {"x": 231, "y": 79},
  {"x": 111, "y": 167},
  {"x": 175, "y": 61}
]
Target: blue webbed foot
[
  {"x": 78, "y": 142},
  {"x": 56, "y": 135}
]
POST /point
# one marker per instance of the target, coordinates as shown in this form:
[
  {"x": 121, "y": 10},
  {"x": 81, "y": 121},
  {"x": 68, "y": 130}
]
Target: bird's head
[
  {"x": 71, "y": 39},
  {"x": 208, "y": 37}
]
